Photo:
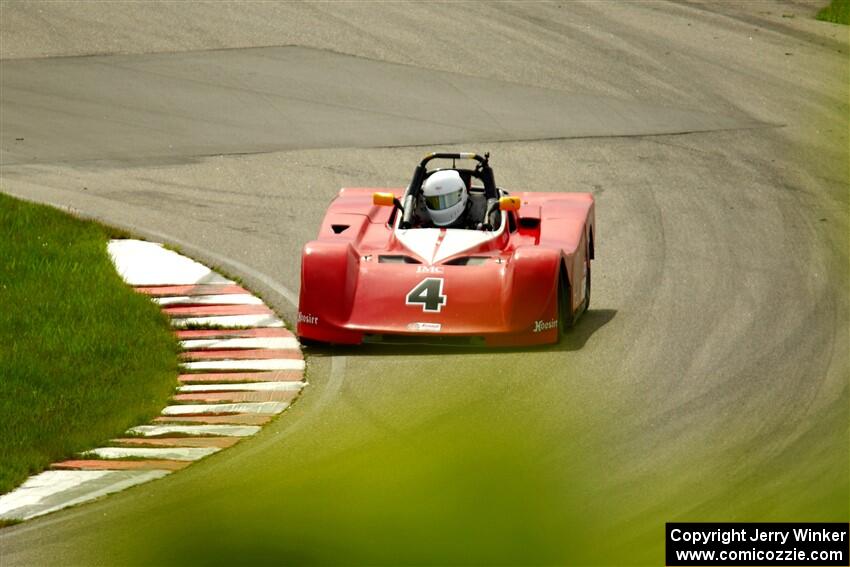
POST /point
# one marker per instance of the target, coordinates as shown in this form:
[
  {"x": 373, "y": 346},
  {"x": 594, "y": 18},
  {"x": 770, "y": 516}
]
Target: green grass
[
  {"x": 478, "y": 487},
  {"x": 837, "y": 12},
  {"x": 82, "y": 357}
]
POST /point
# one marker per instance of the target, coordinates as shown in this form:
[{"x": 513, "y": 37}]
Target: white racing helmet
[{"x": 445, "y": 196}]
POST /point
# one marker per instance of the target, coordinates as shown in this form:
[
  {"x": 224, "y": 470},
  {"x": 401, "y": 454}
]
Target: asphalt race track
[{"x": 708, "y": 382}]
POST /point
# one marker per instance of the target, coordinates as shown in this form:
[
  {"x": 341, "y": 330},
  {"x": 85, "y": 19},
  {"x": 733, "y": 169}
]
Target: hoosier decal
[
  {"x": 307, "y": 319},
  {"x": 545, "y": 325}
]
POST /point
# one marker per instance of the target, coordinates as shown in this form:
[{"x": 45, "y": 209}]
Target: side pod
[
  {"x": 329, "y": 273},
  {"x": 532, "y": 293}
]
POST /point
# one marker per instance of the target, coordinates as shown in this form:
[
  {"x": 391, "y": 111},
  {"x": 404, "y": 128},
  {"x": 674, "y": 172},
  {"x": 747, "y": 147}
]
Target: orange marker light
[
  {"x": 383, "y": 199},
  {"x": 509, "y": 203}
]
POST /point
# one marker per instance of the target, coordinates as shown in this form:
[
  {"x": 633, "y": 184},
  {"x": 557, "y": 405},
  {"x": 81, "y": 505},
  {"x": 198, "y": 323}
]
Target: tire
[
  {"x": 566, "y": 317},
  {"x": 587, "y": 283}
]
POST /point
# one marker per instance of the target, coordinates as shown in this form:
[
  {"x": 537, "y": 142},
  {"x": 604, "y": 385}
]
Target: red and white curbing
[{"x": 237, "y": 377}]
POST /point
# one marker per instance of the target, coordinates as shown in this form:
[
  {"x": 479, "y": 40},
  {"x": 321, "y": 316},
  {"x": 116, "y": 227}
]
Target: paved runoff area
[{"x": 241, "y": 368}]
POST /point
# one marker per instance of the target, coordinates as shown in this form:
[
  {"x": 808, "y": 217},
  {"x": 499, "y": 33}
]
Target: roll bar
[
  {"x": 485, "y": 172},
  {"x": 483, "y": 160}
]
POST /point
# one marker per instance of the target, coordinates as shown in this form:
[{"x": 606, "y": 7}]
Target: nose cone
[
  {"x": 435, "y": 245},
  {"x": 392, "y": 298}
]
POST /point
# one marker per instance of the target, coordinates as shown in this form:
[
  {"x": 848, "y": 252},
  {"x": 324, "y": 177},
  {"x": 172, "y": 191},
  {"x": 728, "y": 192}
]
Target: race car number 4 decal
[{"x": 429, "y": 294}]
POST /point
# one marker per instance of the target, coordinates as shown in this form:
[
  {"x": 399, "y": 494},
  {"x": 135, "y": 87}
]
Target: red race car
[{"x": 453, "y": 259}]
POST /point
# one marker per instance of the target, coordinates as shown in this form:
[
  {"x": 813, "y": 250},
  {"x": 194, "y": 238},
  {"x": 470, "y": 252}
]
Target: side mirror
[
  {"x": 509, "y": 203},
  {"x": 383, "y": 199}
]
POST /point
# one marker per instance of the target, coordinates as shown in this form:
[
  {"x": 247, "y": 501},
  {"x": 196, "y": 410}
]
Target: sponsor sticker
[
  {"x": 307, "y": 319},
  {"x": 540, "y": 326},
  {"x": 425, "y": 327},
  {"x": 429, "y": 270}
]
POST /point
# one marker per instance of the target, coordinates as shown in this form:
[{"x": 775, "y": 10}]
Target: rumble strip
[{"x": 236, "y": 377}]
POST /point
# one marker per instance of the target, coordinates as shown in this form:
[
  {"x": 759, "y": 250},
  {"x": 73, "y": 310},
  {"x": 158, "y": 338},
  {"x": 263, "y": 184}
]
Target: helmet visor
[{"x": 440, "y": 202}]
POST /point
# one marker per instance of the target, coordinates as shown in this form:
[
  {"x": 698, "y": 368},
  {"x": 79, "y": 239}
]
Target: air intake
[
  {"x": 468, "y": 261},
  {"x": 399, "y": 259}
]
